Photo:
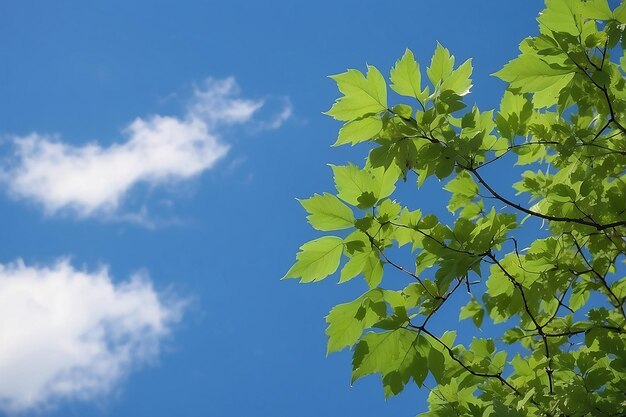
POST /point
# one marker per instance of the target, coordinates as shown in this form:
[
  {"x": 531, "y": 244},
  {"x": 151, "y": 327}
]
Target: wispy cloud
[
  {"x": 69, "y": 334},
  {"x": 93, "y": 179},
  {"x": 279, "y": 118}
]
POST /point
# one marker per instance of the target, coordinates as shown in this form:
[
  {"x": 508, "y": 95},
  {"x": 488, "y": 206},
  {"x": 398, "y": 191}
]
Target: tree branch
[{"x": 537, "y": 214}]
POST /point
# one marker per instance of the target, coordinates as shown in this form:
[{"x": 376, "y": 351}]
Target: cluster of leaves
[{"x": 560, "y": 300}]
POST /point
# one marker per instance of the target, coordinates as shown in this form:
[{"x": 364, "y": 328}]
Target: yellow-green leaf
[
  {"x": 406, "y": 76},
  {"x": 359, "y": 130},
  {"x": 364, "y": 187},
  {"x": 619, "y": 13},
  {"x": 459, "y": 81},
  {"x": 347, "y": 321},
  {"x": 529, "y": 73},
  {"x": 441, "y": 65},
  {"x": 362, "y": 94},
  {"x": 317, "y": 259},
  {"x": 561, "y": 16},
  {"x": 327, "y": 212},
  {"x": 397, "y": 355}
]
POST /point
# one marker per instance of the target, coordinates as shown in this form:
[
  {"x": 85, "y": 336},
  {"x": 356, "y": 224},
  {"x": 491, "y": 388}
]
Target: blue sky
[{"x": 151, "y": 156}]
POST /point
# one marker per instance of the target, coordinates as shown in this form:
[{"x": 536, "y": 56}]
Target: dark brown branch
[
  {"x": 399, "y": 267},
  {"x": 537, "y": 214},
  {"x": 571, "y": 333},
  {"x": 450, "y": 352},
  {"x": 604, "y": 91},
  {"x": 615, "y": 301},
  {"x": 442, "y": 300},
  {"x": 560, "y": 300},
  {"x": 538, "y": 327},
  {"x": 440, "y": 243}
]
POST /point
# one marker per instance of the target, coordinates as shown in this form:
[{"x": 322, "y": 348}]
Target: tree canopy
[{"x": 537, "y": 269}]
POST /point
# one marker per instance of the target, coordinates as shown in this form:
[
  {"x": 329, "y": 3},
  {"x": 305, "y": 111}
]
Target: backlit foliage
[{"x": 555, "y": 344}]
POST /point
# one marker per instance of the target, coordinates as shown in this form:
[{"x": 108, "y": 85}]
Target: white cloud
[
  {"x": 69, "y": 334},
  {"x": 279, "y": 119},
  {"x": 93, "y": 179},
  {"x": 214, "y": 103}
]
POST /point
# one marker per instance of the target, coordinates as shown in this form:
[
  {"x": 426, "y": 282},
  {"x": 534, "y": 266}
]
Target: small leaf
[
  {"x": 619, "y": 13},
  {"x": 459, "y": 81},
  {"x": 368, "y": 263},
  {"x": 327, "y": 212},
  {"x": 437, "y": 364},
  {"x": 561, "y": 16},
  {"x": 395, "y": 353},
  {"x": 403, "y": 110},
  {"x": 441, "y": 65},
  {"x": 362, "y": 94},
  {"x": 597, "y": 9},
  {"x": 347, "y": 321},
  {"x": 359, "y": 130},
  {"x": 406, "y": 76},
  {"x": 354, "y": 266},
  {"x": 373, "y": 269},
  {"x": 513, "y": 335},
  {"x": 474, "y": 310},
  {"x": 317, "y": 259},
  {"x": 529, "y": 73},
  {"x": 364, "y": 187},
  {"x": 578, "y": 298}
]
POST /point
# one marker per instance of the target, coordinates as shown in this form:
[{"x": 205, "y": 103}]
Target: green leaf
[
  {"x": 362, "y": 94},
  {"x": 388, "y": 210},
  {"x": 441, "y": 65},
  {"x": 317, "y": 259},
  {"x": 561, "y": 16},
  {"x": 368, "y": 263},
  {"x": 397, "y": 355},
  {"x": 463, "y": 184},
  {"x": 459, "y": 81},
  {"x": 512, "y": 335},
  {"x": 482, "y": 347},
  {"x": 521, "y": 403},
  {"x": 619, "y": 288},
  {"x": 346, "y": 322},
  {"x": 619, "y": 13},
  {"x": 521, "y": 366},
  {"x": 327, "y": 212},
  {"x": 359, "y": 130},
  {"x": 550, "y": 96},
  {"x": 373, "y": 270},
  {"x": 597, "y": 9},
  {"x": 463, "y": 189},
  {"x": 354, "y": 266},
  {"x": 406, "y": 76},
  {"x": 474, "y": 310},
  {"x": 579, "y": 298},
  {"x": 498, "y": 283},
  {"x": 437, "y": 364},
  {"x": 407, "y": 234},
  {"x": 529, "y": 73},
  {"x": 557, "y": 272},
  {"x": 403, "y": 110},
  {"x": 515, "y": 104},
  {"x": 363, "y": 188}
]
